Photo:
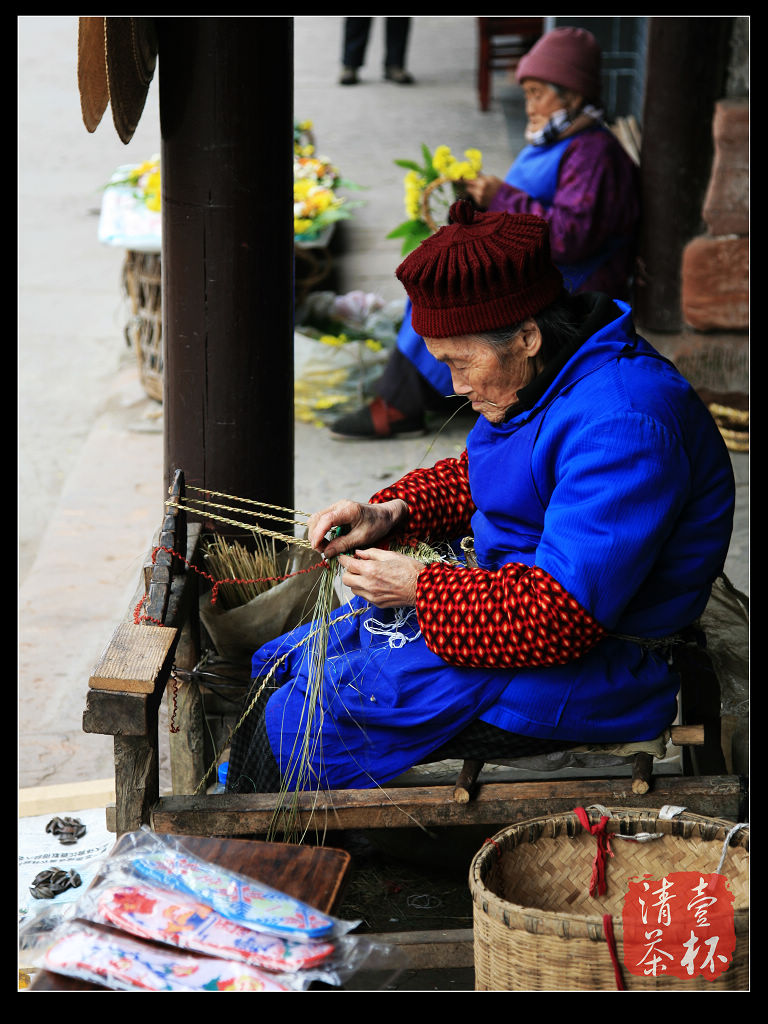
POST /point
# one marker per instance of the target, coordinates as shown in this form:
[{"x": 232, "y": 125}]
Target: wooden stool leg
[
  {"x": 642, "y": 771},
  {"x": 467, "y": 781},
  {"x": 136, "y": 780}
]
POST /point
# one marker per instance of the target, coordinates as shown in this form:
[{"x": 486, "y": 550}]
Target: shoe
[
  {"x": 348, "y": 76},
  {"x": 375, "y": 421},
  {"x": 399, "y": 75}
]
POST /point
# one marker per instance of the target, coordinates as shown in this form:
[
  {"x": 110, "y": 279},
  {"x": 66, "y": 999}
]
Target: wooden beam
[
  {"x": 432, "y": 807},
  {"x": 439, "y": 949}
]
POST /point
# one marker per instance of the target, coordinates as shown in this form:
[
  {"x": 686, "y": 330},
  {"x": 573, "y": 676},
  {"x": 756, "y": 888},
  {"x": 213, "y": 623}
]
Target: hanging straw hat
[
  {"x": 115, "y": 64},
  {"x": 92, "y": 70}
]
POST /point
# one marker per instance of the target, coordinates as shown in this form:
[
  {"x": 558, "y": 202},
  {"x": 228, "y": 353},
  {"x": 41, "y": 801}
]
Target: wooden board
[
  {"x": 134, "y": 658},
  {"x": 495, "y": 803},
  {"x": 66, "y": 796}
]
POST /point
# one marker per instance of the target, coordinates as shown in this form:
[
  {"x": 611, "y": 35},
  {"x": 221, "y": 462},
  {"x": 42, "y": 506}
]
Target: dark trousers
[
  {"x": 403, "y": 387},
  {"x": 356, "y": 33}
]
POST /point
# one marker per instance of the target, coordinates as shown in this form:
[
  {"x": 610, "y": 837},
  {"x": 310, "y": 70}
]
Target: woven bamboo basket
[
  {"x": 144, "y": 331},
  {"x": 536, "y": 928}
]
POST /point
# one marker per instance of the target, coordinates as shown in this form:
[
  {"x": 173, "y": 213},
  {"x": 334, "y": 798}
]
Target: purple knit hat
[
  {"x": 481, "y": 271},
  {"x": 568, "y": 57}
]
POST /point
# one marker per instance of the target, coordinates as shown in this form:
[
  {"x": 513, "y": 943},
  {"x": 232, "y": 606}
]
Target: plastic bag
[
  {"x": 163, "y": 861},
  {"x": 341, "y": 346},
  {"x": 223, "y": 931}
]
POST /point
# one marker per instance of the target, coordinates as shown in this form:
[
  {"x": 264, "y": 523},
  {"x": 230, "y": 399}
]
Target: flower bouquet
[
  {"x": 303, "y": 138},
  {"x": 130, "y": 209},
  {"x": 143, "y": 180},
  {"x": 435, "y": 183},
  {"x": 316, "y": 202}
]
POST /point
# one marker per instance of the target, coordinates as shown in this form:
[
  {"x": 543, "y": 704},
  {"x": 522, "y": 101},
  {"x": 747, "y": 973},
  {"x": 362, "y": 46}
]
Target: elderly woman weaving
[{"x": 599, "y": 497}]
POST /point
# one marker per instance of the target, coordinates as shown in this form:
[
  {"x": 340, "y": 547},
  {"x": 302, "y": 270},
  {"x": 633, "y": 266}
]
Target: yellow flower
[
  {"x": 414, "y": 185},
  {"x": 442, "y": 159},
  {"x": 148, "y": 166},
  {"x": 373, "y": 345},
  {"x": 475, "y": 158},
  {"x": 301, "y": 187},
  {"x": 332, "y": 339},
  {"x": 301, "y": 224}
]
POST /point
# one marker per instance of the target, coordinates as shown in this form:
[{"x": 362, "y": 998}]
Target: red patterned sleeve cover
[
  {"x": 511, "y": 617},
  {"x": 438, "y": 499}
]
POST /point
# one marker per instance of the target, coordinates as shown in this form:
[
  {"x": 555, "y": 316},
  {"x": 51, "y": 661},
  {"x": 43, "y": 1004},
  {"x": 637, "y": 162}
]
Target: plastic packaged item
[
  {"x": 194, "y": 912},
  {"x": 164, "y": 862},
  {"x": 178, "y": 920},
  {"x": 113, "y": 959}
]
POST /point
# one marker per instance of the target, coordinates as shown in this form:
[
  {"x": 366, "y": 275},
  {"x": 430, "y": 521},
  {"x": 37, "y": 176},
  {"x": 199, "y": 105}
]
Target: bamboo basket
[
  {"x": 144, "y": 332},
  {"x": 536, "y": 928}
]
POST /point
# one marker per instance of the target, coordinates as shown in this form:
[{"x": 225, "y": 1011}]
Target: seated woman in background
[{"x": 575, "y": 175}]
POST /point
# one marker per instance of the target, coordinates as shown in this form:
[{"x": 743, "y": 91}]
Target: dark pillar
[
  {"x": 226, "y": 115},
  {"x": 685, "y": 75}
]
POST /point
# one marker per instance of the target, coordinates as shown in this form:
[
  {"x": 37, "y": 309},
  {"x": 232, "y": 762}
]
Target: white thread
[
  {"x": 732, "y": 832},
  {"x": 394, "y": 629}
]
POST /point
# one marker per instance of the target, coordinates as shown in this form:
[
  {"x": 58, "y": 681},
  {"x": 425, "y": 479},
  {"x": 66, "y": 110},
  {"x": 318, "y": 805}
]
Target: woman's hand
[
  {"x": 365, "y": 525},
  {"x": 384, "y": 579},
  {"x": 483, "y": 188}
]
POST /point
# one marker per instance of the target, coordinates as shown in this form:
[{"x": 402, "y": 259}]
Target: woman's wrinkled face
[
  {"x": 542, "y": 100},
  {"x": 487, "y": 377}
]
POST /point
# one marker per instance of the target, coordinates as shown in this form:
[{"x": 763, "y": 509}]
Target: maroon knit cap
[
  {"x": 568, "y": 57},
  {"x": 481, "y": 271}
]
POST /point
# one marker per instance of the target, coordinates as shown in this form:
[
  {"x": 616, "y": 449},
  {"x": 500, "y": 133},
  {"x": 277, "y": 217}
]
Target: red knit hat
[
  {"x": 481, "y": 271},
  {"x": 568, "y": 57}
]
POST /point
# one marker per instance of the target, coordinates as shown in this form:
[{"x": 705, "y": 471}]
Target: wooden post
[
  {"x": 685, "y": 75},
  {"x": 226, "y": 118}
]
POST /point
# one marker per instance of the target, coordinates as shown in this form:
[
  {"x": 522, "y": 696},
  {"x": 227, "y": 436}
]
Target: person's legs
[
  {"x": 403, "y": 387},
  {"x": 396, "y": 43},
  {"x": 355, "y": 42},
  {"x": 252, "y": 765},
  {"x": 480, "y": 740},
  {"x": 403, "y": 397}
]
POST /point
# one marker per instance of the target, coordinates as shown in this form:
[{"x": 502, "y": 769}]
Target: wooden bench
[{"x": 128, "y": 684}]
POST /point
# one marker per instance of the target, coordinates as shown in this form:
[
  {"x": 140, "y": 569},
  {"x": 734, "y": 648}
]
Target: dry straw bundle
[{"x": 251, "y": 572}]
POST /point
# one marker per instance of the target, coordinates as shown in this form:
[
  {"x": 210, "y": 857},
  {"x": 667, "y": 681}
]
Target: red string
[
  {"x": 597, "y": 882},
  {"x": 137, "y": 618},
  {"x": 611, "y": 940},
  {"x": 498, "y": 848}
]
